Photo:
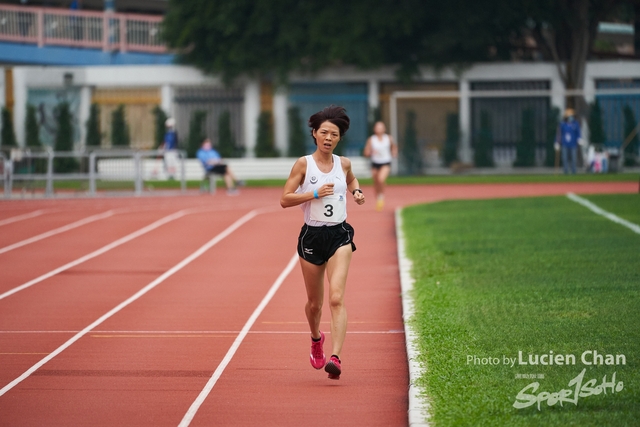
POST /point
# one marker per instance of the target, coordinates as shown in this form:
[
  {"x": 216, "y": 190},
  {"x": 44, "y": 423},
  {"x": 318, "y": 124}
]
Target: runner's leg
[
  {"x": 314, "y": 283},
  {"x": 337, "y": 270}
]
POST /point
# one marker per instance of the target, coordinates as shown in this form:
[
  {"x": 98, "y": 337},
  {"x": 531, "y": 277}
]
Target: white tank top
[
  {"x": 330, "y": 210},
  {"x": 381, "y": 149}
]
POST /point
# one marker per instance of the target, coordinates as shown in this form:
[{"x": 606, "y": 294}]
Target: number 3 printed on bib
[{"x": 329, "y": 209}]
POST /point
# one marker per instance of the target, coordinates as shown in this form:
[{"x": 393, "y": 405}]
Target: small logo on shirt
[
  {"x": 308, "y": 251},
  {"x": 314, "y": 179},
  {"x": 340, "y": 198}
]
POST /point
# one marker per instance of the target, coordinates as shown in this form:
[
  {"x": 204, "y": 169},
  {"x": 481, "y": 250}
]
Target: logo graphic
[
  {"x": 314, "y": 179},
  {"x": 340, "y": 198},
  {"x": 308, "y": 251}
]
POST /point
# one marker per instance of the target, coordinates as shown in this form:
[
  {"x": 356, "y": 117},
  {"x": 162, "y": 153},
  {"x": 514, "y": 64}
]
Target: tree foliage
[
  {"x": 452, "y": 140},
  {"x": 159, "y": 119},
  {"x": 32, "y": 128},
  {"x": 553, "y": 120},
  {"x": 411, "y": 150},
  {"x": 196, "y": 132},
  {"x": 274, "y": 37},
  {"x": 596, "y": 127},
  {"x": 630, "y": 124},
  {"x": 297, "y": 137},
  {"x": 94, "y": 134},
  {"x": 226, "y": 141},
  {"x": 265, "y": 146},
  {"x": 119, "y": 128},
  {"x": 526, "y": 147},
  {"x": 8, "y": 135},
  {"x": 483, "y": 150},
  {"x": 64, "y": 139}
]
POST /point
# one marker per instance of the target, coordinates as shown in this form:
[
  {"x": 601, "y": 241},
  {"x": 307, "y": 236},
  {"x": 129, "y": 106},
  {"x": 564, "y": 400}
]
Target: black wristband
[{"x": 358, "y": 190}]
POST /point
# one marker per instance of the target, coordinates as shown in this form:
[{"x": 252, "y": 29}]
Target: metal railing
[
  {"x": 97, "y": 30},
  {"x": 96, "y": 171}
]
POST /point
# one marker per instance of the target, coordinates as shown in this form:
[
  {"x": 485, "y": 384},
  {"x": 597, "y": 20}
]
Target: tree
[
  {"x": 64, "y": 139},
  {"x": 375, "y": 115},
  {"x": 32, "y": 128},
  {"x": 272, "y": 39},
  {"x": 596, "y": 128},
  {"x": 119, "y": 128},
  {"x": 565, "y": 32},
  {"x": 94, "y": 136},
  {"x": 553, "y": 119},
  {"x": 630, "y": 124},
  {"x": 8, "y": 135},
  {"x": 452, "y": 140},
  {"x": 226, "y": 141},
  {"x": 411, "y": 150},
  {"x": 526, "y": 147},
  {"x": 159, "y": 119},
  {"x": 32, "y": 139},
  {"x": 196, "y": 132},
  {"x": 297, "y": 136},
  {"x": 483, "y": 153},
  {"x": 265, "y": 143}
]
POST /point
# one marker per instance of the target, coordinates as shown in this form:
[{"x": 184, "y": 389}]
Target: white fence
[
  {"x": 127, "y": 170},
  {"x": 243, "y": 168},
  {"x": 28, "y": 169}
]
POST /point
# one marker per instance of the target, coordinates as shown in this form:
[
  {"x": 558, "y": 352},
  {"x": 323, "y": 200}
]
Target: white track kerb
[{"x": 418, "y": 407}]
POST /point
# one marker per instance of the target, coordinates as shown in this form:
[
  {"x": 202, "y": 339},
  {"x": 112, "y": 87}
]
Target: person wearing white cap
[{"x": 169, "y": 146}]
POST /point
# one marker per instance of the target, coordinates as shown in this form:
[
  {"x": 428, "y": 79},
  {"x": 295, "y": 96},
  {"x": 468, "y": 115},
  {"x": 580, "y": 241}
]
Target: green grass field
[{"x": 535, "y": 275}]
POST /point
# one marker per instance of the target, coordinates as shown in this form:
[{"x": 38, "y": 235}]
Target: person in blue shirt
[
  {"x": 212, "y": 163},
  {"x": 568, "y": 138},
  {"x": 169, "y": 146}
]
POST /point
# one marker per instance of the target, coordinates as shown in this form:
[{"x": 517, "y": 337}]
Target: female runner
[
  {"x": 318, "y": 183},
  {"x": 381, "y": 149}
]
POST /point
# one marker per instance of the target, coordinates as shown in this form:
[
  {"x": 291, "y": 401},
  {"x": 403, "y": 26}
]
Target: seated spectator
[{"x": 212, "y": 163}]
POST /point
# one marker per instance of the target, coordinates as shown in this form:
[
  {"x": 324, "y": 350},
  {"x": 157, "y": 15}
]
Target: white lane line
[
  {"x": 98, "y": 252},
  {"x": 131, "y": 299},
  {"x": 418, "y": 406},
  {"x": 188, "y": 417},
  {"x": 598, "y": 210},
  {"x": 21, "y": 217},
  {"x": 58, "y": 230}
]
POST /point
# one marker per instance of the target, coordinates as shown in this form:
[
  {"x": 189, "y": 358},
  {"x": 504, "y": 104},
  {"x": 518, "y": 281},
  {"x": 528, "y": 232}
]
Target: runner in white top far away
[{"x": 381, "y": 149}]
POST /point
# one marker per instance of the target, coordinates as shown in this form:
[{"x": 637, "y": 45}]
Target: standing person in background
[
  {"x": 381, "y": 149},
  {"x": 169, "y": 146},
  {"x": 568, "y": 138},
  {"x": 318, "y": 183}
]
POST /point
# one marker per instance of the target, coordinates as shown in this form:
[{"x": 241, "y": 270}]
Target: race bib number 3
[{"x": 329, "y": 209}]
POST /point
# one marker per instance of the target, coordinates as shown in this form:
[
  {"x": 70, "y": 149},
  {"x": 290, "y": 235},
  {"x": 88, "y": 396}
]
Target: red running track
[{"x": 149, "y": 360}]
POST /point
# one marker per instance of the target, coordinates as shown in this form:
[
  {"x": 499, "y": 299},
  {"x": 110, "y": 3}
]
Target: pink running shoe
[
  {"x": 333, "y": 368},
  {"x": 317, "y": 353}
]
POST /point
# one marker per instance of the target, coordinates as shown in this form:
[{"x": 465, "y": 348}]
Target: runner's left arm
[{"x": 352, "y": 181}]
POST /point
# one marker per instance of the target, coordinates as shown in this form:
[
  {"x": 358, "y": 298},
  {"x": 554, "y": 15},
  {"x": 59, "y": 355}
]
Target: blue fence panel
[
  {"x": 612, "y": 107},
  {"x": 313, "y": 97}
]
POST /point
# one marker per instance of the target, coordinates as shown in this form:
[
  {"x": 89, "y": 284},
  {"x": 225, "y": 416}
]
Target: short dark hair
[{"x": 334, "y": 114}]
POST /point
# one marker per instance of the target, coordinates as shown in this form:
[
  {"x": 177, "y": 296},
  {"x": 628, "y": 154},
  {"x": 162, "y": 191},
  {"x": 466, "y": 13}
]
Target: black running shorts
[
  {"x": 318, "y": 244},
  {"x": 219, "y": 169},
  {"x": 378, "y": 166}
]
